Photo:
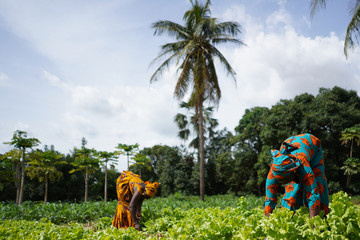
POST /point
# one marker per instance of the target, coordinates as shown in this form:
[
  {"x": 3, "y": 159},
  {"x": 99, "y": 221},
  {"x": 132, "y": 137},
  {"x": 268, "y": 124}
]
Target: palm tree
[
  {"x": 352, "y": 31},
  {"x": 194, "y": 53},
  {"x": 22, "y": 142},
  {"x": 42, "y": 165},
  {"x": 351, "y": 165},
  {"x": 183, "y": 121}
]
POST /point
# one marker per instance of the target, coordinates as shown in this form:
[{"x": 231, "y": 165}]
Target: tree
[
  {"x": 249, "y": 150},
  {"x": 22, "y": 142},
  {"x": 42, "y": 165},
  {"x": 196, "y": 49},
  {"x": 129, "y": 150},
  {"x": 106, "y": 157},
  {"x": 324, "y": 116},
  {"x": 10, "y": 170},
  {"x": 10, "y": 163},
  {"x": 351, "y": 165},
  {"x": 183, "y": 121},
  {"x": 85, "y": 162},
  {"x": 352, "y": 31},
  {"x": 351, "y": 134},
  {"x": 141, "y": 162},
  {"x": 220, "y": 164}
]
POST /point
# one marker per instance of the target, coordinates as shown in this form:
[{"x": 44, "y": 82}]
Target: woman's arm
[
  {"x": 271, "y": 190},
  {"x": 138, "y": 209},
  {"x": 132, "y": 207}
]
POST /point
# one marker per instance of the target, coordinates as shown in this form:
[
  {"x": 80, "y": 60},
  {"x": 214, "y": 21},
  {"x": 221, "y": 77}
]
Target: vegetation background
[{"x": 237, "y": 161}]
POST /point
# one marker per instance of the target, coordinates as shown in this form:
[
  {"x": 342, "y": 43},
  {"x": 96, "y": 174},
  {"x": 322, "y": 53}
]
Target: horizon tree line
[{"x": 236, "y": 162}]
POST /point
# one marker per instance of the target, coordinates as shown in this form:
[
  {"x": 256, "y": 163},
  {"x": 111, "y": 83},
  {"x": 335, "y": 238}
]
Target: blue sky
[{"x": 73, "y": 69}]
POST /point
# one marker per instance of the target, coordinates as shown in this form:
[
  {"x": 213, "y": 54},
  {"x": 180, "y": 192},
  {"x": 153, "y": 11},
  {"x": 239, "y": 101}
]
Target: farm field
[{"x": 179, "y": 217}]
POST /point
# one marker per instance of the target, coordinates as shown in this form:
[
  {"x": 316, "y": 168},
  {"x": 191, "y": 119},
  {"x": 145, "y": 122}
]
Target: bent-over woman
[
  {"x": 131, "y": 192},
  {"x": 299, "y": 165}
]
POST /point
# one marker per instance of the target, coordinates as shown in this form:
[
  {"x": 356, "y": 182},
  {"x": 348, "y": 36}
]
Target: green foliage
[
  {"x": 181, "y": 217},
  {"x": 42, "y": 164},
  {"x": 351, "y": 166},
  {"x": 21, "y": 141},
  {"x": 44, "y": 229},
  {"x": 58, "y": 212},
  {"x": 235, "y": 162},
  {"x": 106, "y": 157},
  {"x": 85, "y": 160}
]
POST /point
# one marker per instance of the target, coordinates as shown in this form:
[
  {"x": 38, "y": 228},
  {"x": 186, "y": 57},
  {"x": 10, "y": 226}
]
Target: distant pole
[{"x": 127, "y": 161}]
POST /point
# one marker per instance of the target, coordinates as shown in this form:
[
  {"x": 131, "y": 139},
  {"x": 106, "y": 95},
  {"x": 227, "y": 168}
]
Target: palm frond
[
  {"x": 186, "y": 105},
  {"x": 184, "y": 78},
  {"x": 171, "y": 28},
  {"x": 187, "y": 49},
  {"x": 181, "y": 120},
  {"x": 221, "y": 39},
  {"x": 214, "y": 94},
  {"x": 216, "y": 53},
  {"x": 184, "y": 134},
  {"x": 315, "y": 5},
  {"x": 352, "y": 32},
  {"x": 163, "y": 66},
  {"x": 232, "y": 28}
]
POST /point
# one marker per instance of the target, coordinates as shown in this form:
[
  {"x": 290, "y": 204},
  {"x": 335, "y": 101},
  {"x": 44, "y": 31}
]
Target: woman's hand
[
  {"x": 138, "y": 216},
  {"x": 137, "y": 226}
]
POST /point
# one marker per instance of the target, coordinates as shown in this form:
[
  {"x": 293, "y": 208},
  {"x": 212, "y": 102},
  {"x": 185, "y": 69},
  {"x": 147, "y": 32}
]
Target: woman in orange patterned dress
[
  {"x": 299, "y": 165},
  {"x": 131, "y": 192}
]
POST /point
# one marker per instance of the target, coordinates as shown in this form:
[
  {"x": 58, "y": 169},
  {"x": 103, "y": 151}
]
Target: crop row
[
  {"x": 85, "y": 212},
  {"x": 240, "y": 222}
]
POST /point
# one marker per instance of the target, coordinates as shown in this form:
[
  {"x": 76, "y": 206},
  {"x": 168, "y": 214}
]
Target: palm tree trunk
[
  {"x": 22, "y": 178},
  {"x": 17, "y": 182},
  {"x": 105, "y": 185},
  {"x": 46, "y": 188},
  {"x": 201, "y": 151},
  {"x": 86, "y": 184}
]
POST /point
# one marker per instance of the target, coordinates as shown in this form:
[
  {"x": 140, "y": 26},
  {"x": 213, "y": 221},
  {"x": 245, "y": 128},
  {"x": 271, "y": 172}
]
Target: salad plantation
[{"x": 180, "y": 217}]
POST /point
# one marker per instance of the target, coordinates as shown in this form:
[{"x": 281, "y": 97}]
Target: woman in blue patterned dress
[{"x": 299, "y": 165}]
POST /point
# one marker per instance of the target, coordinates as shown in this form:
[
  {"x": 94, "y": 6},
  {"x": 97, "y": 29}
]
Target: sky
[{"x": 73, "y": 69}]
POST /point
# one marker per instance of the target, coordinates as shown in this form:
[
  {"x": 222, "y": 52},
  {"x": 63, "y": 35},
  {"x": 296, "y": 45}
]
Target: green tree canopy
[
  {"x": 43, "y": 166},
  {"x": 21, "y": 141}
]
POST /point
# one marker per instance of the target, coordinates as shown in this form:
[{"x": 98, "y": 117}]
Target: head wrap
[
  {"x": 151, "y": 188},
  {"x": 283, "y": 163}
]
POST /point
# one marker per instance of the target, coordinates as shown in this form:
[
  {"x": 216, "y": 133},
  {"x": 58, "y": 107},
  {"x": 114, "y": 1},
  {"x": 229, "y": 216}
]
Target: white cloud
[
  {"x": 54, "y": 80},
  {"x": 97, "y": 62},
  {"x": 280, "y": 63},
  {"x": 132, "y": 113},
  {"x": 82, "y": 124},
  {"x": 278, "y": 19},
  {"x": 4, "y": 80}
]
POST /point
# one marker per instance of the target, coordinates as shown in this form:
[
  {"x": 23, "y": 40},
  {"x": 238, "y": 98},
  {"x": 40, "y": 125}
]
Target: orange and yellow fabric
[
  {"x": 124, "y": 188},
  {"x": 302, "y": 156}
]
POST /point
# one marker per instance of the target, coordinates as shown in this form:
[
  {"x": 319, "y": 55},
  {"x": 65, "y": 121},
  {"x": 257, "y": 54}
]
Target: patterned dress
[
  {"x": 302, "y": 156},
  {"x": 124, "y": 188}
]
